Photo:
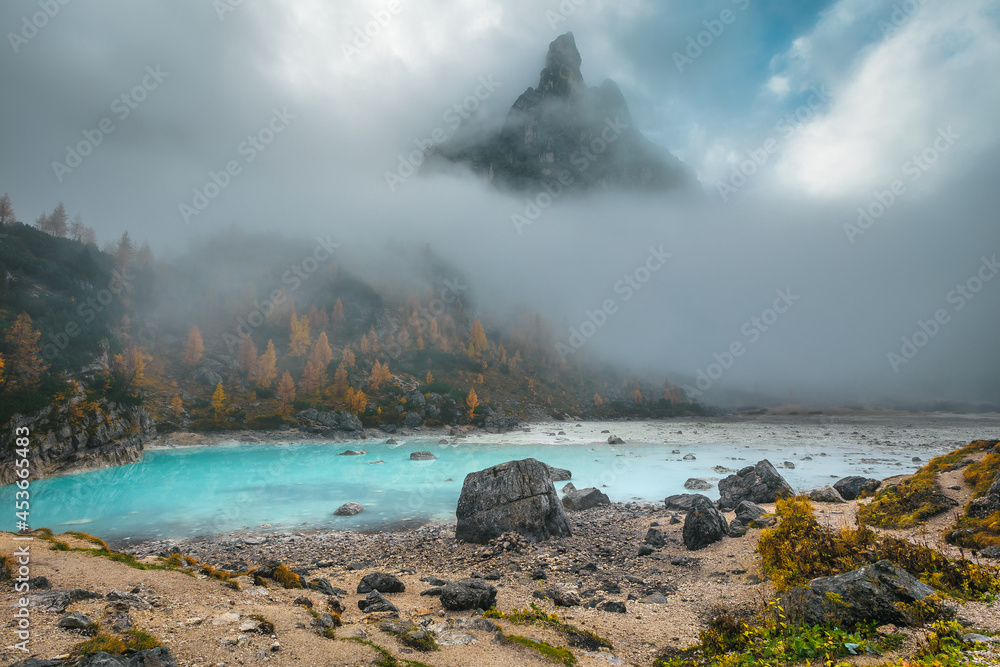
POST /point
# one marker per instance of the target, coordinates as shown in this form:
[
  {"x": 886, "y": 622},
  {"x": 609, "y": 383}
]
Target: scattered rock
[
  {"x": 746, "y": 512},
  {"x": 561, "y": 596},
  {"x": 851, "y": 487},
  {"x": 703, "y": 525},
  {"x": 655, "y": 537},
  {"x": 353, "y": 452},
  {"x": 321, "y": 586},
  {"x": 689, "y": 457},
  {"x": 303, "y": 600},
  {"x": 422, "y": 456},
  {"x": 349, "y": 509},
  {"x": 383, "y": 582},
  {"x": 826, "y": 494},
  {"x": 654, "y": 598},
  {"x": 759, "y": 483},
  {"x": 74, "y": 620},
  {"x": 870, "y": 593},
  {"x": 468, "y": 594},
  {"x": 789, "y": 465},
  {"x": 391, "y": 441},
  {"x": 613, "y": 607},
  {"x": 645, "y": 550},
  {"x": 697, "y": 484},
  {"x": 515, "y": 496},
  {"x": 615, "y": 440},
  {"x": 568, "y": 488},
  {"x": 584, "y": 499},
  {"x": 374, "y": 602},
  {"x": 59, "y": 599}
]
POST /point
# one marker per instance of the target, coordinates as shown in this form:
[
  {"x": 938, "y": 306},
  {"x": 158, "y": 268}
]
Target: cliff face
[
  {"x": 564, "y": 132},
  {"x": 78, "y": 435}
]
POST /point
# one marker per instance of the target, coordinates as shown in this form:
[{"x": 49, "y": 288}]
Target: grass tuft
[{"x": 556, "y": 653}]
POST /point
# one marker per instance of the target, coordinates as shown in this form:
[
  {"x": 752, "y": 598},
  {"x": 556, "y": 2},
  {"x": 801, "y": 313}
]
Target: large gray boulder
[
  {"x": 980, "y": 508},
  {"x": 468, "y": 594},
  {"x": 851, "y": 487},
  {"x": 584, "y": 499},
  {"x": 870, "y": 593},
  {"x": 383, "y": 582},
  {"x": 703, "y": 525},
  {"x": 412, "y": 420},
  {"x": 759, "y": 483},
  {"x": 515, "y": 496}
]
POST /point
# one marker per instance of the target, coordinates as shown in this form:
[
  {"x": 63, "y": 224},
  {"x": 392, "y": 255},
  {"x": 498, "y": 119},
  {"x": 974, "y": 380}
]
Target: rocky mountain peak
[
  {"x": 564, "y": 132},
  {"x": 561, "y": 76}
]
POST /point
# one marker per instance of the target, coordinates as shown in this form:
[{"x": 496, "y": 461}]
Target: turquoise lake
[{"x": 203, "y": 491}]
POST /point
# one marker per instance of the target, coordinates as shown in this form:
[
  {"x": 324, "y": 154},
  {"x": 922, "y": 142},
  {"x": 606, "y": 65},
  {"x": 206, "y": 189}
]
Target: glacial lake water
[{"x": 187, "y": 492}]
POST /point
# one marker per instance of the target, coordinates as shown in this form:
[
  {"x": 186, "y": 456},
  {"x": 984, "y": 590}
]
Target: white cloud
[{"x": 937, "y": 69}]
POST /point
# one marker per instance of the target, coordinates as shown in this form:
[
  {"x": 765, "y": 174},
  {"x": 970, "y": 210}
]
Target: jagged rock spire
[{"x": 561, "y": 76}]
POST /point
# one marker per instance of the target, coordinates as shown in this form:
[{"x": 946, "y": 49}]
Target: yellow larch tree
[
  {"x": 472, "y": 401},
  {"x": 194, "y": 348},
  {"x": 219, "y": 402},
  {"x": 299, "y": 337},
  {"x": 286, "y": 390},
  {"x": 267, "y": 366}
]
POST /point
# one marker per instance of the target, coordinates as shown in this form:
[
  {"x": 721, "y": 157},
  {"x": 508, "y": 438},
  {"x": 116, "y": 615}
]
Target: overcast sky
[{"x": 839, "y": 101}]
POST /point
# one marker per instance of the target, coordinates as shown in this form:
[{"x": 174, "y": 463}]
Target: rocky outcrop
[
  {"x": 851, "y": 487},
  {"x": 515, "y": 496},
  {"x": 78, "y": 435},
  {"x": 341, "y": 421},
  {"x": 703, "y": 525},
  {"x": 759, "y": 483},
  {"x": 870, "y": 593},
  {"x": 980, "y": 508},
  {"x": 497, "y": 421},
  {"x": 566, "y": 134},
  {"x": 584, "y": 499}
]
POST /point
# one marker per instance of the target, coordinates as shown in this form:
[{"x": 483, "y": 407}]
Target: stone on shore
[
  {"x": 349, "y": 509},
  {"x": 514, "y": 496},
  {"x": 374, "y": 602},
  {"x": 703, "y": 525},
  {"x": 383, "y": 582},
  {"x": 851, "y": 487},
  {"x": 468, "y": 594},
  {"x": 585, "y": 499},
  {"x": 697, "y": 484},
  {"x": 870, "y": 593},
  {"x": 826, "y": 494},
  {"x": 759, "y": 483},
  {"x": 558, "y": 474}
]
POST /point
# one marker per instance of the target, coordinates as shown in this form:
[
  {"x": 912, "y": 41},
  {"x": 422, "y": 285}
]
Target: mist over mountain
[{"x": 563, "y": 135}]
